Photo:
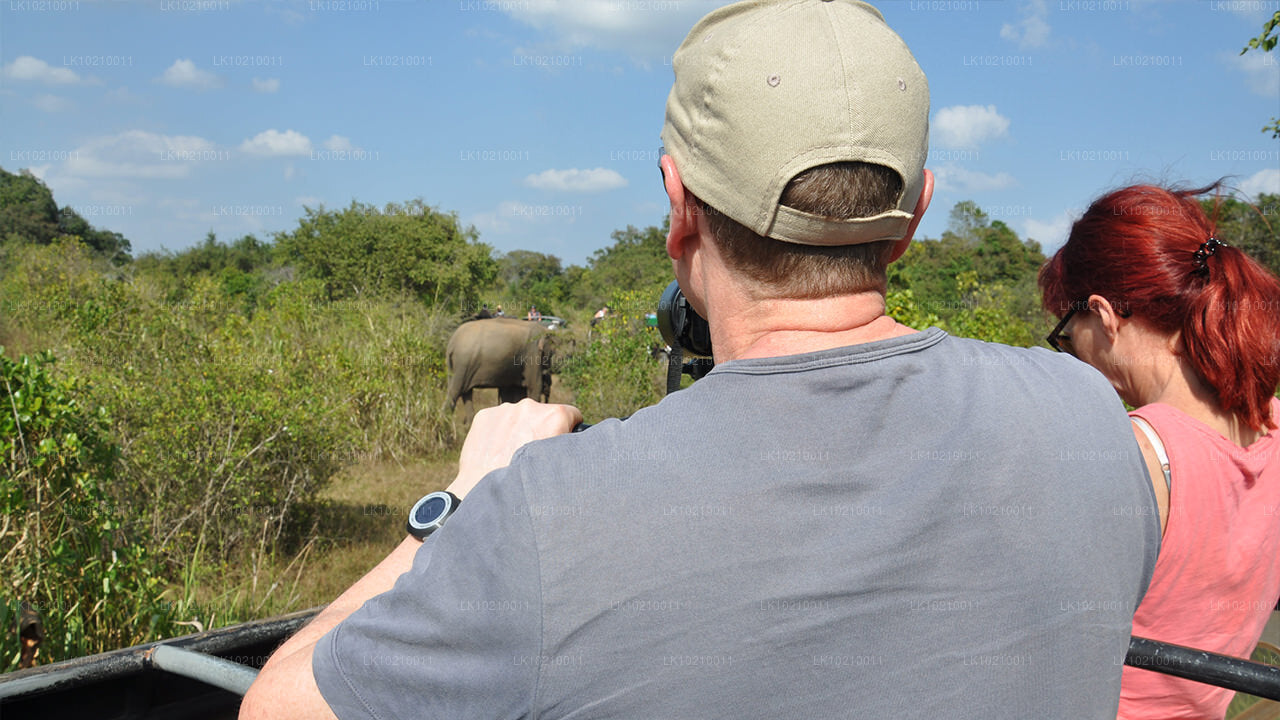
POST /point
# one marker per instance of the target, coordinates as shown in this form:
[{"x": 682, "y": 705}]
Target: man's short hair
[{"x": 773, "y": 268}]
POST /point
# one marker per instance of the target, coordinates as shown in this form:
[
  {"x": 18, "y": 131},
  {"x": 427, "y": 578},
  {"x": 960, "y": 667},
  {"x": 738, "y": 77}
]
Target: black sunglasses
[{"x": 1056, "y": 339}]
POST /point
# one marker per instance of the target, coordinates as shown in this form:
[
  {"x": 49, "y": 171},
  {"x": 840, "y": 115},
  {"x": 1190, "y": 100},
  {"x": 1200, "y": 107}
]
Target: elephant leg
[
  {"x": 511, "y": 394},
  {"x": 468, "y": 411}
]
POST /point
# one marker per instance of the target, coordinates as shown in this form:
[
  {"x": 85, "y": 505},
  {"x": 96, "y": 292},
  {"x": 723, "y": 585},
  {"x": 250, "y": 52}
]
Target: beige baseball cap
[{"x": 766, "y": 89}]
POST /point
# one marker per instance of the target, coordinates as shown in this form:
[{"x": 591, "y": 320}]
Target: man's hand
[{"x": 497, "y": 432}]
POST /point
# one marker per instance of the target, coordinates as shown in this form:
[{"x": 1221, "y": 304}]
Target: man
[{"x": 846, "y": 517}]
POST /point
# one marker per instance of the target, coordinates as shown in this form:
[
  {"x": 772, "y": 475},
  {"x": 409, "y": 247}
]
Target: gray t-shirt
[{"x": 925, "y": 526}]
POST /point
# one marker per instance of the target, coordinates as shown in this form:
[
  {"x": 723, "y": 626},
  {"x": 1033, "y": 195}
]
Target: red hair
[{"x": 1136, "y": 247}]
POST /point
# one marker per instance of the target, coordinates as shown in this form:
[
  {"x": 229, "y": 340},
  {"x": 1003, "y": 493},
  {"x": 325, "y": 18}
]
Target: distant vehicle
[{"x": 551, "y": 322}]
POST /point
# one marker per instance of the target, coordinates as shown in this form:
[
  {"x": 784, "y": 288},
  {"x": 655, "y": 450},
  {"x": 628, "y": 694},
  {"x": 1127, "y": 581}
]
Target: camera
[{"x": 686, "y": 333}]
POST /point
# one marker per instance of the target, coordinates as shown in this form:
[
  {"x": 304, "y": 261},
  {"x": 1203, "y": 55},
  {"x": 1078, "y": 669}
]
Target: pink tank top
[{"x": 1217, "y": 578}]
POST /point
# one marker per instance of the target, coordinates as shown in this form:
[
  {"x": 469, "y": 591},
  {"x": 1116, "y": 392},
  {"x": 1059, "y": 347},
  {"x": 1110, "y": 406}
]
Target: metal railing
[
  {"x": 195, "y": 657},
  {"x": 1211, "y": 668}
]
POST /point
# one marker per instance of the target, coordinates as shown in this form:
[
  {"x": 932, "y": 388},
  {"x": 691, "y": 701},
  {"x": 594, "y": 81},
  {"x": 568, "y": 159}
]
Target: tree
[
  {"x": 978, "y": 280},
  {"x": 1266, "y": 42},
  {"x": 531, "y": 278},
  {"x": 28, "y": 213},
  {"x": 409, "y": 249},
  {"x": 27, "y": 210},
  {"x": 109, "y": 244},
  {"x": 637, "y": 260}
]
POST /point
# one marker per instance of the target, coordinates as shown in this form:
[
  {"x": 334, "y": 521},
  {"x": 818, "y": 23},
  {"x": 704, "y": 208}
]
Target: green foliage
[
  {"x": 978, "y": 280},
  {"x": 28, "y": 214},
  {"x": 615, "y": 374},
  {"x": 411, "y": 249},
  {"x": 636, "y": 261},
  {"x": 244, "y": 270},
  {"x": 528, "y": 278},
  {"x": 68, "y": 551},
  {"x": 230, "y": 424},
  {"x": 1266, "y": 42},
  {"x": 27, "y": 210},
  {"x": 901, "y": 305}
]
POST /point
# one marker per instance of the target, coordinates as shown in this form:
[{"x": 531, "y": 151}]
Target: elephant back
[{"x": 492, "y": 352}]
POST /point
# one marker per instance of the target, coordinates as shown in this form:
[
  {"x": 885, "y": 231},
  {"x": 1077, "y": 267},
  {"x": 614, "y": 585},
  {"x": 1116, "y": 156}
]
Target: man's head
[{"x": 801, "y": 126}]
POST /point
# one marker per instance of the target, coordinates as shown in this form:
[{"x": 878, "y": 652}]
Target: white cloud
[
  {"x": 123, "y": 95},
  {"x": 273, "y": 142},
  {"x": 575, "y": 180},
  {"x": 1032, "y": 31},
  {"x": 269, "y": 85},
  {"x": 1261, "y": 71},
  {"x": 338, "y": 143},
  {"x": 1264, "y": 181},
  {"x": 967, "y": 126},
  {"x": 52, "y": 103},
  {"x": 37, "y": 70},
  {"x": 490, "y": 222},
  {"x": 139, "y": 154},
  {"x": 1255, "y": 12},
  {"x": 184, "y": 73},
  {"x": 1051, "y": 234},
  {"x": 955, "y": 179},
  {"x": 645, "y": 31}
]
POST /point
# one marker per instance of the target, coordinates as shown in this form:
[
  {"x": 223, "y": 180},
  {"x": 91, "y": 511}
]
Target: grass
[{"x": 359, "y": 520}]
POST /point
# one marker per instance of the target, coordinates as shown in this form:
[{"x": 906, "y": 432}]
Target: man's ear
[
  {"x": 684, "y": 211},
  {"x": 926, "y": 196},
  {"x": 1107, "y": 314}
]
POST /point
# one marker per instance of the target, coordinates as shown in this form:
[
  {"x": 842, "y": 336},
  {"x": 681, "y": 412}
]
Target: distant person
[
  {"x": 844, "y": 518},
  {"x": 1187, "y": 329},
  {"x": 533, "y": 313},
  {"x": 484, "y": 313},
  {"x": 498, "y": 312}
]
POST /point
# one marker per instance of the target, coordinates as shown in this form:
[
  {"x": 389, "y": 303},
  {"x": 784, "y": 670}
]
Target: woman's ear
[{"x": 1106, "y": 312}]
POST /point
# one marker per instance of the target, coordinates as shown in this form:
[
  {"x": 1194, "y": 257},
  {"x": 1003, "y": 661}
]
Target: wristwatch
[{"x": 429, "y": 513}]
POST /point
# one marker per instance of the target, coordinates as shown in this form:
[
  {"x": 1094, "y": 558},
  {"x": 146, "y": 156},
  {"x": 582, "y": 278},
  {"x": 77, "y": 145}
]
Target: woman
[{"x": 1187, "y": 329}]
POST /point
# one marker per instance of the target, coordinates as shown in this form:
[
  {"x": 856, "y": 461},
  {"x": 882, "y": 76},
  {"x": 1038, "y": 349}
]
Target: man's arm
[{"x": 286, "y": 686}]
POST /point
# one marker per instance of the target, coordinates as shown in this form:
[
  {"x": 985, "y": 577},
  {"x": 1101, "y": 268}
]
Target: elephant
[{"x": 514, "y": 356}]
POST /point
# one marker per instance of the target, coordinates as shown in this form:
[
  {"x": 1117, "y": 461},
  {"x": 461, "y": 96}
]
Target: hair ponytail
[{"x": 1231, "y": 333}]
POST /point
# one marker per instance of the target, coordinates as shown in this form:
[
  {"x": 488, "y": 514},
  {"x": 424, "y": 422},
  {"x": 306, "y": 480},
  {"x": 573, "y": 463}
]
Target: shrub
[
  {"x": 615, "y": 374},
  {"x": 67, "y": 551}
]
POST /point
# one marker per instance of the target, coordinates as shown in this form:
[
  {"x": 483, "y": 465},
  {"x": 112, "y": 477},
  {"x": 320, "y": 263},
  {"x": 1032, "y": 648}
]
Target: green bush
[
  {"x": 411, "y": 249},
  {"x": 67, "y": 551},
  {"x": 615, "y": 374}
]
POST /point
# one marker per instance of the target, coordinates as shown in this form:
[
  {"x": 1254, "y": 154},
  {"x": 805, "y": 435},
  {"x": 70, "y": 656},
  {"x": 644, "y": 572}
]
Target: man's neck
[{"x": 743, "y": 328}]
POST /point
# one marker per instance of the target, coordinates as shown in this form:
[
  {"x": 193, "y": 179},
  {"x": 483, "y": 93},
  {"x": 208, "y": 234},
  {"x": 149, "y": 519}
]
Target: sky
[{"x": 538, "y": 121}]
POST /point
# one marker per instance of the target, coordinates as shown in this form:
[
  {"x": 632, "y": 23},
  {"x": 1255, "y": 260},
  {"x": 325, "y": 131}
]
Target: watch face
[
  {"x": 430, "y": 510},
  {"x": 429, "y": 513}
]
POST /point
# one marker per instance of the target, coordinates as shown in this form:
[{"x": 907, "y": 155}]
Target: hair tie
[{"x": 1207, "y": 248}]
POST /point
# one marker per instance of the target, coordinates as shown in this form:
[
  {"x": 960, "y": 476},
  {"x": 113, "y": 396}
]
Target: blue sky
[{"x": 537, "y": 121}]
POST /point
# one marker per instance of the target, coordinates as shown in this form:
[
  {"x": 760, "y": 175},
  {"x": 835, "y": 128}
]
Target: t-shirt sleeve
[{"x": 459, "y": 635}]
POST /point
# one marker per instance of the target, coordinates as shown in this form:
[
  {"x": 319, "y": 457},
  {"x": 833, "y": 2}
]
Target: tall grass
[{"x": 226, "y": 424}]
